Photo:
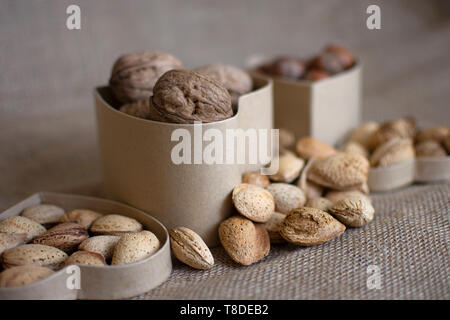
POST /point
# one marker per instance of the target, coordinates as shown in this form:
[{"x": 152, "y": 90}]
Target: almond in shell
[
  {"x": 311, "y": 189},
  {"x": 430, "y": 149},
  {"x": 335, "y": 196},
  {"x": 353, "y": 211},
  {"x": 255, "y": 203},
  {"x": 393, "y": 151},
  {"x": 437, "y": 134},
  {"x": 45, "y": 214},
  {"x": 273, "y": 227},
  {"x": 308, "y": 147},
  {"x": 86, "y": 258},
  {"x": 244, "y": 241},
  {"x": 11, "y": 240},
  {"x": 133, "y": 247},
  {"x": 65, "y": 236},
  {"x": 310, "y": 226},
  {"x": 114, "y": 224},
  {"x": 255, "y": 178},
  {"x": 21, "y": 225},
  {"x": 319, "y": 203},
  {"x": 286, "y": 196},
  {"x": 84, "y": 217},
  {"x": 190, "y": 248},
  {"x": 100, "y": 244},
  {"x": 35, "y": 254},
  {"x": 289, "y": 167},
  {"x": 404, "y": 128},
  {"x": 363, "y": 134},
  {"x": 23, "y": 275}
]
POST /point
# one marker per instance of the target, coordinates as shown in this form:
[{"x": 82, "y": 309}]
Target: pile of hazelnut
[{"x": 332, "y": 60}]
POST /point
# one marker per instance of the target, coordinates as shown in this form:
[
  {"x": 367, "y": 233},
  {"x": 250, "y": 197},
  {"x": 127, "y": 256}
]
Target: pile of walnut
[
  {"x": 30, "y": 252},
  {"x": 153, "y": 85},
  {"x": 332, "y": 60}
]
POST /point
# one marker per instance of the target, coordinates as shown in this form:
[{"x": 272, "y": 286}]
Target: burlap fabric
[{"x": 407, "y": 240}]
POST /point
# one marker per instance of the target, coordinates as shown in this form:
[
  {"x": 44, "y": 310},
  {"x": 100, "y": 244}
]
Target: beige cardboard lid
[{"x": 110, "y": 282}]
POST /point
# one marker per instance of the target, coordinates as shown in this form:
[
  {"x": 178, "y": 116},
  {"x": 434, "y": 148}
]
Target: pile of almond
[{"x": 44, "y": 238}]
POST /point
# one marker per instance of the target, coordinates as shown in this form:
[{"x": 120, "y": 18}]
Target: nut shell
[
  {"x": 11, "y": 240},
  {"x": 286, "y": 196},
  {"x": 353, "y": 211},
  {"x": 244, "y": 241},
  {"x": 273, "y": 227},
  {"x": 21, "y": 225},
  {"x": 335, "y": 196},
  {"x": 320, "y": 203},
  {"x": 255, "y": 203},
  {"x": 84, "y": 217},
  {"x": 133, "y": 247},
  {"x": 363, "y": 134},
  {"x": 404, "y": 128},
  {"x": 309, "y": 226},
  {"x": 100, "y": 244},
  {"x": 34, "y": 254},
  {"x": 182, "y": 96},
  {"x": 340, "y": 171},
  {"x": 430, "y": 148},
  {"x": 393, "y": 151},
  {"x": 255, "y": 178},
  {"x": 65, "y": 236},
  {"x": 289, "y": 167},
  {"x": 308, "y": 147},
  {"x": 235, "y": 80},
  {"x": 437, "y": 134},
  {"x": 23, "y": 275},
  {"x": 190, "y": 248},
  {"x": 114, "y": 224},
  {"x": 134, "y": 75},
  {"x": 86, "y": 258},
  {"x": 45, "y": 214}
]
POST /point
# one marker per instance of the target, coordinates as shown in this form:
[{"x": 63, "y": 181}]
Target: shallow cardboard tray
[
  {"x": 138, "y": 170},
  {"x": 326, "y": 110},
  {"x": 110, "y": 282},
  {"x": 406, "y": 173}
]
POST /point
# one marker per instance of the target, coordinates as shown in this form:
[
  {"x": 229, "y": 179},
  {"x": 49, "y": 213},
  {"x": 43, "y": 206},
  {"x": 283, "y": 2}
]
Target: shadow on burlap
[{"x": 407, "y": 240}]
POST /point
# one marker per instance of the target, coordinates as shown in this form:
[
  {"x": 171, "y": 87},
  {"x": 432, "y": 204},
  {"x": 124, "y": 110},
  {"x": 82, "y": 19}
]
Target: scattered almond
[
  {"x": 286, "y": 196},
  {"x": 309, "y": 226},
  {"x": 311, "y": 189},
  {"x": 273, "y": 227},
  {"x": 355, "y": 147},
  {"x": 45, "y": 214},
  {"x": 254, "y": 202},
  {"x": 353, "y": 211},
  {"x": 289, "y": 167},
  {"x": 393, "y": 151},
  {"x": 401, "y": 128},
  {"x": 19, "y": 224},
  {"x": 133, "y": 247},
  {"x": 255, "y": 178},
  {"x": 23, "y": 275},
  {"x": 364, "y": 133},
  {"x": 430, "y": 148},
  {"x": 11, "y": 240},
  {"x": 190, "y": 248},
  {"x": 320, "y": 203},
  {"x": 35, "y": 254},
  {"x": 244, "y": 241},
  {"x": 100, "y": 244},
  {"x": 308, "y": 147},
  {"x": 335, "y": 196},
  {"x": 86, "y": 258},
  {"x": 81, "y": 216},
  {"x": 114, "y": 224},
  {"x": 65, "y": 236},
  {"x": 340, "y": 171}
]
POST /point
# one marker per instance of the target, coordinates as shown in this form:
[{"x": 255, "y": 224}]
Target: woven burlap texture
[{"x": 407, "y": 240}]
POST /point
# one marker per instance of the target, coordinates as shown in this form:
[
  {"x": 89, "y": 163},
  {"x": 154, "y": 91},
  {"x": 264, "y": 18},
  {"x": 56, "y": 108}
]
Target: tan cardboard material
[
  {"x": 326, "y": 110},
  {"x": 110, "y": 282},
  {"x": 138, "y": 169},
  {"x": 432, "y": 169}
]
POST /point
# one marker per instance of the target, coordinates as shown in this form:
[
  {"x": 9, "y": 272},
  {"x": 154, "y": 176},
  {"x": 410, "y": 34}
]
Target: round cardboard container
[
  {"x": 432, "y": 169},
  {"x": 110, "y": 282},
  {"x": 138, "y": 168},
  {"x": 391, "y": 177}
]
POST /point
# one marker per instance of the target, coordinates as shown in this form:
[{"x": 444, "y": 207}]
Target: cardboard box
[
  {"x": 138, "y": 169},
  {"x": 109, "y": 282},
  {"x": 326, "y": 110}
]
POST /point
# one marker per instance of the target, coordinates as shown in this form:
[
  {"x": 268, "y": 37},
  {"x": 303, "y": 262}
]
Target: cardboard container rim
[
  {"x": 393, "y": 167},
  {"x": 433, "y": 160},
  {"x": 36, "y": 283},
  {"x": 309, "y": 83},
  {"x": 267, "y": 83}
]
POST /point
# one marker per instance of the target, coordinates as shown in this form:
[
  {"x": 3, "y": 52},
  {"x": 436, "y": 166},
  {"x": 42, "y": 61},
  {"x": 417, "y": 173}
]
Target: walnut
[
  {"x": 134, "y": 74},
  {"x": 183, "y": 96},
  {"x": 235, "y": 80}
]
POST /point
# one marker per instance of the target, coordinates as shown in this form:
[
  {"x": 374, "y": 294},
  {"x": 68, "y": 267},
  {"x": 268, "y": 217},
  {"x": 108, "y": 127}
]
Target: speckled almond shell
[
  {"x": 430, "y": 148},
  {"x": 340, "y": 171},
  {"x": 437, "y": 134},
  {"x": 393, "y": 151},
  {"x": 44, "y": 214},
  {"x": 19, "y": 224},
  {"x": 289, "y": 168},
  {"x": 35, "y": 254},
  {"x": 273, "y": 227},
  {"x": 286, "y": 196},
  {"x": 364, "y": 133},
  {"x": 23, "y": 275},
  {"x": 11, "y": 240},
  {"x": 235, "y": 80},
  {"x": 114, "y": 224},
  {"x": 311, "y": 189},
  {"x": 335, "y": 196},
  {"x": 320, "y": 203},
  {"x": 84, "y": 217},
  {"x": 134, "y": 75},
  {"x": 65, "y": 236},
  {"x": 190, "y": 248},
  {"x": 309, "y": 226},
  {"x": 183, "y": 96},
  {"x": 255, "y": 203},
  {"x": 100, "y": 244},
  {"x": 401, "y": 128},
  {"x": 133, "y": 247},
  {"x": 355, "y": 147},
  {"x": 86, "y": 258},
  {"x": 245, "y": 242},
  {"x": 353, "y": 211},
  {"x": 255, "y": 178},
  {"x": 308, "y": 147}
]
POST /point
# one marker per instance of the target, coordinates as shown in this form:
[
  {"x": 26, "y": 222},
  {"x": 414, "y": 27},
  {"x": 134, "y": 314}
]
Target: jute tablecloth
[{"x": 407, "y": 240}]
